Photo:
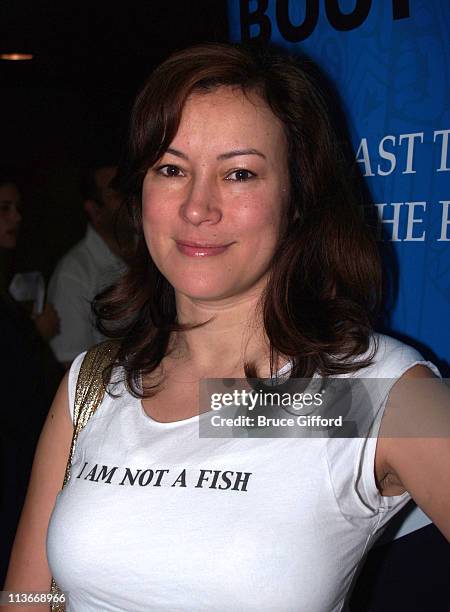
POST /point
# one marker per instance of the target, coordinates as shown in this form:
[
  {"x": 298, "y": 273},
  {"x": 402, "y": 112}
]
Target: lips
[{"x": 201, "y": 249}]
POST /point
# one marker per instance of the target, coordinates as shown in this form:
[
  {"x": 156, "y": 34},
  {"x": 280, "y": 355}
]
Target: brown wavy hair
[{"x": 324, "y": 283}]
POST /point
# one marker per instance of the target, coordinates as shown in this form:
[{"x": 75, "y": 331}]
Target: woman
[{"x": 252, "y": 259}]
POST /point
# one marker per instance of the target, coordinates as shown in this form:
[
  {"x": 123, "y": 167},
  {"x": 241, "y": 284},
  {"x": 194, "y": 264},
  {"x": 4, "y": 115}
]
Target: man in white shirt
[{"x": 90, "y": 266}]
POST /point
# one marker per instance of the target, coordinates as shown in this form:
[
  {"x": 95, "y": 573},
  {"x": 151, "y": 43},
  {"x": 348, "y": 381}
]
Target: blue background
[{"x": 393, "y": 77}]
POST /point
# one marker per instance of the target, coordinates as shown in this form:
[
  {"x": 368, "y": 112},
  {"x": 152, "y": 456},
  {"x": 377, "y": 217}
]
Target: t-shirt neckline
[{"x": 170, "y": 424}]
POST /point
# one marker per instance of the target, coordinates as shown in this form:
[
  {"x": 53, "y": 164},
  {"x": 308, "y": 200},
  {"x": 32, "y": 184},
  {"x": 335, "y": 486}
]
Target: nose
[
  {"x": 14, "y": 215},
  {"x": 202, "y": 203},
  {"x": 17, "y": 215}
]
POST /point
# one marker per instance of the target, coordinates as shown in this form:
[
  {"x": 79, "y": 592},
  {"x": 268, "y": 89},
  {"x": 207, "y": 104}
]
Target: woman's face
[
  {"x": 213, "y": 205},
  {"x": 10, "y": 216}
]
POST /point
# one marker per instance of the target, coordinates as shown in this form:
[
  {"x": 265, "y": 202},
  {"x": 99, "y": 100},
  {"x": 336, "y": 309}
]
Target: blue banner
[{"x": 389, "y": 60}]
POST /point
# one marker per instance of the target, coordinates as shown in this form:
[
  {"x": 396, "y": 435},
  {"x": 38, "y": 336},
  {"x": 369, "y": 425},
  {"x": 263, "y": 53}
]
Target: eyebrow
[
  {"x": 227, "y": 155},
  {"x": 238, "y": 152},
  {"x": 177, "y": 153}
]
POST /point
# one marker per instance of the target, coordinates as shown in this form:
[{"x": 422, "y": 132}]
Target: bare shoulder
[
  {"x": 28, "y": 568},
  {"x": 413, "y": 448},
  {"x": 59, "y": 413}
]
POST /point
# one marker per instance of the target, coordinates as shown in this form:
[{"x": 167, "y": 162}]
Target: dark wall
[{"x": 70, "y": 105}]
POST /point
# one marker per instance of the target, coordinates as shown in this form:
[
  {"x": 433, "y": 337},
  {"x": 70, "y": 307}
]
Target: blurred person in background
[
  {"x": 91, "y": 265},
  {"x": 11, "y": 214},
  {"x": 29, "y": 374},
  {"x": 46, "y": 322}
]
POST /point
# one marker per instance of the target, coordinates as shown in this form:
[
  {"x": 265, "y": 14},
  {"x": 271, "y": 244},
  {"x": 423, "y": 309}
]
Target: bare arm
[
  {"x": 418, "y": 460},
  {"x": 28, "y": 568}
]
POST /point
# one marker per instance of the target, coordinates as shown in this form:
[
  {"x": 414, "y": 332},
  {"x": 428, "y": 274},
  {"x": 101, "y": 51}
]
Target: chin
[
  {"x": 8, "y": 244},
  {"x": 197, "y": 283},
  {"x": 215, "y": 290}
]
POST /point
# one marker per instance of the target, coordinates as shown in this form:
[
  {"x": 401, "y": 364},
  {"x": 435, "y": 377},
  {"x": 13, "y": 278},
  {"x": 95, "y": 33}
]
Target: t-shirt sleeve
[
  {"x": 72, "y": 381},
  {"x": 356, "y": 489},
  {"x": 366, "y": 484}
]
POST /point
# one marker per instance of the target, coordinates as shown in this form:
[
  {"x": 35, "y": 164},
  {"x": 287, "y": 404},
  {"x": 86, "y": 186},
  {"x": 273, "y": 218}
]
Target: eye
[
  {"x": 169, "y": 171},
  {"x": 240, "y": 175}
]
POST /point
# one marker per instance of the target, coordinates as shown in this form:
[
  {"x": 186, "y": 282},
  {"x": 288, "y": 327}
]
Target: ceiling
[{"x": 90, "y": 59}]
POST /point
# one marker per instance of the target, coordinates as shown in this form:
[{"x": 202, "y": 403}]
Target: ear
[{"x": 92, "y": 210}]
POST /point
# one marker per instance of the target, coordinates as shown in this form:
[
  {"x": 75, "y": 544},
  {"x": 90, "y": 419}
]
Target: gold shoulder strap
[
  {"x": 89, "y": 393},
  {"x": 90, "y": 390}
]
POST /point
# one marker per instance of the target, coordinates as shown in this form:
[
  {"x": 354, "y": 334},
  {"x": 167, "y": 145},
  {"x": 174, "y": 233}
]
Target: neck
[{"x": 232, "y": 335}]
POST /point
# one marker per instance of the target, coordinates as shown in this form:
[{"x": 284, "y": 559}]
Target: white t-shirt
[
  {"x": 155, "y": 518},
  {"x": 84, "y": 271}
]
